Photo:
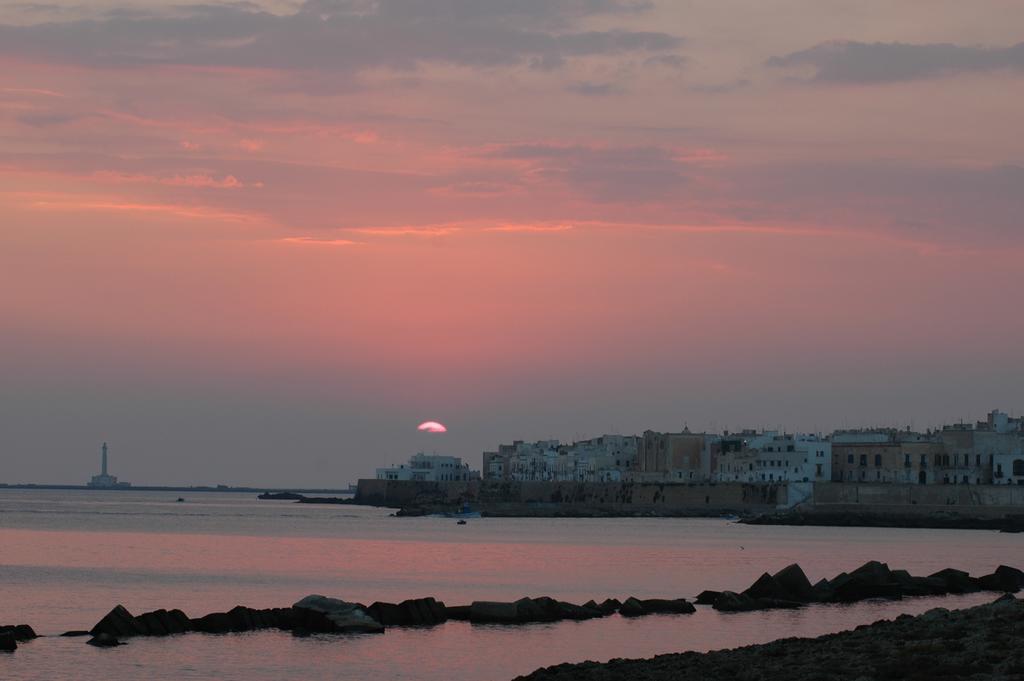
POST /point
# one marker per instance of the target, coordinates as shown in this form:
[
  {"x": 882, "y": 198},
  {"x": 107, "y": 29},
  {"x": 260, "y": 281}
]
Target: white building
[
  {"x": 770, "y": 457},
  {"x": 431, "y": 468},
  {"x": 601, "y": 459}
]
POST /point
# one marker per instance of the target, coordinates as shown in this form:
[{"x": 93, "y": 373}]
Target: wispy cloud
[
  {"x": 312, "y": 241},
  {"x": 425, "y": 232},
  {"x": 530, "y": 228},
  {"x": 856, "y": 62}
]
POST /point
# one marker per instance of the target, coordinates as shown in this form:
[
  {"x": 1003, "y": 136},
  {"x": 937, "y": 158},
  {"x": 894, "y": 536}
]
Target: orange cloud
[
  {"x": 251, "y": 145},
  {"x": 310, "y": 241}
]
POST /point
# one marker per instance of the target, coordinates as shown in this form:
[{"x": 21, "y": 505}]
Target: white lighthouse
[{"x": 105, "y": 480}]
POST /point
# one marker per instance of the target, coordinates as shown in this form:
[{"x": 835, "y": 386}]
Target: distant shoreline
[{"x": 161, "y": 488}]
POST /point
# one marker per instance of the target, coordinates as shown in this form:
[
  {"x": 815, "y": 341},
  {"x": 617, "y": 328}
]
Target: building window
[
  {"x": 878, "y": 460},
  {"x": 849, "y": 458},
  {"x": 863, "y": 459}
]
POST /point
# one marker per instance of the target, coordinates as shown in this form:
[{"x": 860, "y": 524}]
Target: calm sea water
[{"x": 67, "y": 557}]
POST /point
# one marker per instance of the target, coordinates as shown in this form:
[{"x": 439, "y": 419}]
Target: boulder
[
  {"x": 730, "y": 601},
  {"x": 610, "y": 605},
  {"x": 858, "y": 587},
  {"x": 21, "y": 632},
  {"x": 823, "y": 590},
  {"x": 955, "y": 581},
  {"x": 766, "y": 587},
  {"x": 152, "y": 623},
  {"x": 707, "y": 597},
  {"x": 676, "y": 606},
  {"x": 632, "y": 607},
  {"x": 175, "y": 621},
  {"x": 119, "y": 622},
  {"x": 8, "y": 643},
  {"x": 1006, "y": 579},
  {"x": 795, "y": 583},
  {"x": 104, "y": 640},
  {"x": 213, "y": 623},
  {"x": 458, "y": 612},
  {"x": 243, "y": 618},
  {"x": 493, "y": 612},
  {"x": 593, "y": 606},
  {"x": 320, "y": 613},
  {"x": 543, "y": 609},
  {"x": 571, "y": 611},
  {"x": 874, "y": 572},
  {"x": 409, "y": 612}
]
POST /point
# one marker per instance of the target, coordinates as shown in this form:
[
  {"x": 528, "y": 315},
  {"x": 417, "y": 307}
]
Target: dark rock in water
[
  {"x": 152, "y": 624},
  {"x": 730, "y": 601},
  {"x": 632, "y": 607},
  {"x": 766, "y": 587},
  {"x": 21, "y": 632},
  {"x": 458, "y": 612},
  {"x": 493, "y": 612},
  {"x": 8, "y": 643},
  {"x": 587, "y": 611},
  {"x": 677, "y": 606},
  {"x": 527, "y": 610},
  {"x": 1005, "y": 578},
  {"x": 610, "y": 605},
  {"x": 418, "y": 611},
  {"x": 823, "y": 590},
  {"x": 875, "y": 572},
  {"x": 1005, "y": 598},
  {"x": 104, "y": 640},
  {"x": 955, "y": 581},
  {"x": 76, "y": 632},
  {"x": 708, "y": 597},
  {"x": 795, "y": 583},
  {"x": 213, "y": 623},
  {"x": 858, "y": 587},
  {"x": 322, "y": 614},
  {"x": 118, "y": 622},
  {"x": 285, "y": 496}
]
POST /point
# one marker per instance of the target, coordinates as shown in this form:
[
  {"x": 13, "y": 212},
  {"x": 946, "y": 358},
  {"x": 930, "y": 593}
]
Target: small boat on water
[
  {"x": 461, "y": 522},
  {"x": 181, "y": 499}
]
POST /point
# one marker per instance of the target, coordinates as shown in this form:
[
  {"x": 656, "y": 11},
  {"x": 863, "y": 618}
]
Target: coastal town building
[
  {"x": 772, "y": 457},
  {"x": 430, "y": 468},
  {"x": 608, "y": 458},
  {"x": 675, "y": 457},
  {"x": 980, "y": 453}
]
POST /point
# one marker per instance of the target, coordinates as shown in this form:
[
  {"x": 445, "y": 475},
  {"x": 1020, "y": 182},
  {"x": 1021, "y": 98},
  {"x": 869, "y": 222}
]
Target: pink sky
[{"x": 260, "y": 244}]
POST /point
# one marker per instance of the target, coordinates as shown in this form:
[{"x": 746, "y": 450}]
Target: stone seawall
[
  {"x": 826, "y": 500},
  {"x": 570, "y": 498},
  {"x": 978, "y": 499}
]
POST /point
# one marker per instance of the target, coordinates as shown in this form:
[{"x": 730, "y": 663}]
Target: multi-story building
[
  {"x": 608, "y": 458},
  {"x": 431, "y": 468},
  {"x": 675, "y": 457},
  {"x": 772, "y": 457}
]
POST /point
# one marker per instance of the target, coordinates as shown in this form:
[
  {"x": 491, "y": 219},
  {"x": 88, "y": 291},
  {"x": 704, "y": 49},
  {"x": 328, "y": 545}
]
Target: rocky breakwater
[
  {"x": 546, "y": 609},
  {"x": 790, "y": 588},
  {"x": 313, "y": 613},
  {"x": 984, "y": 643},
  {"x": 12, "y": 634}
]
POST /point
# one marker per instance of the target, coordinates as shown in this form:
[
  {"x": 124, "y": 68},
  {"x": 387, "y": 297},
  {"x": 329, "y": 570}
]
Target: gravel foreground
[{"x": 981, "y": 644}]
